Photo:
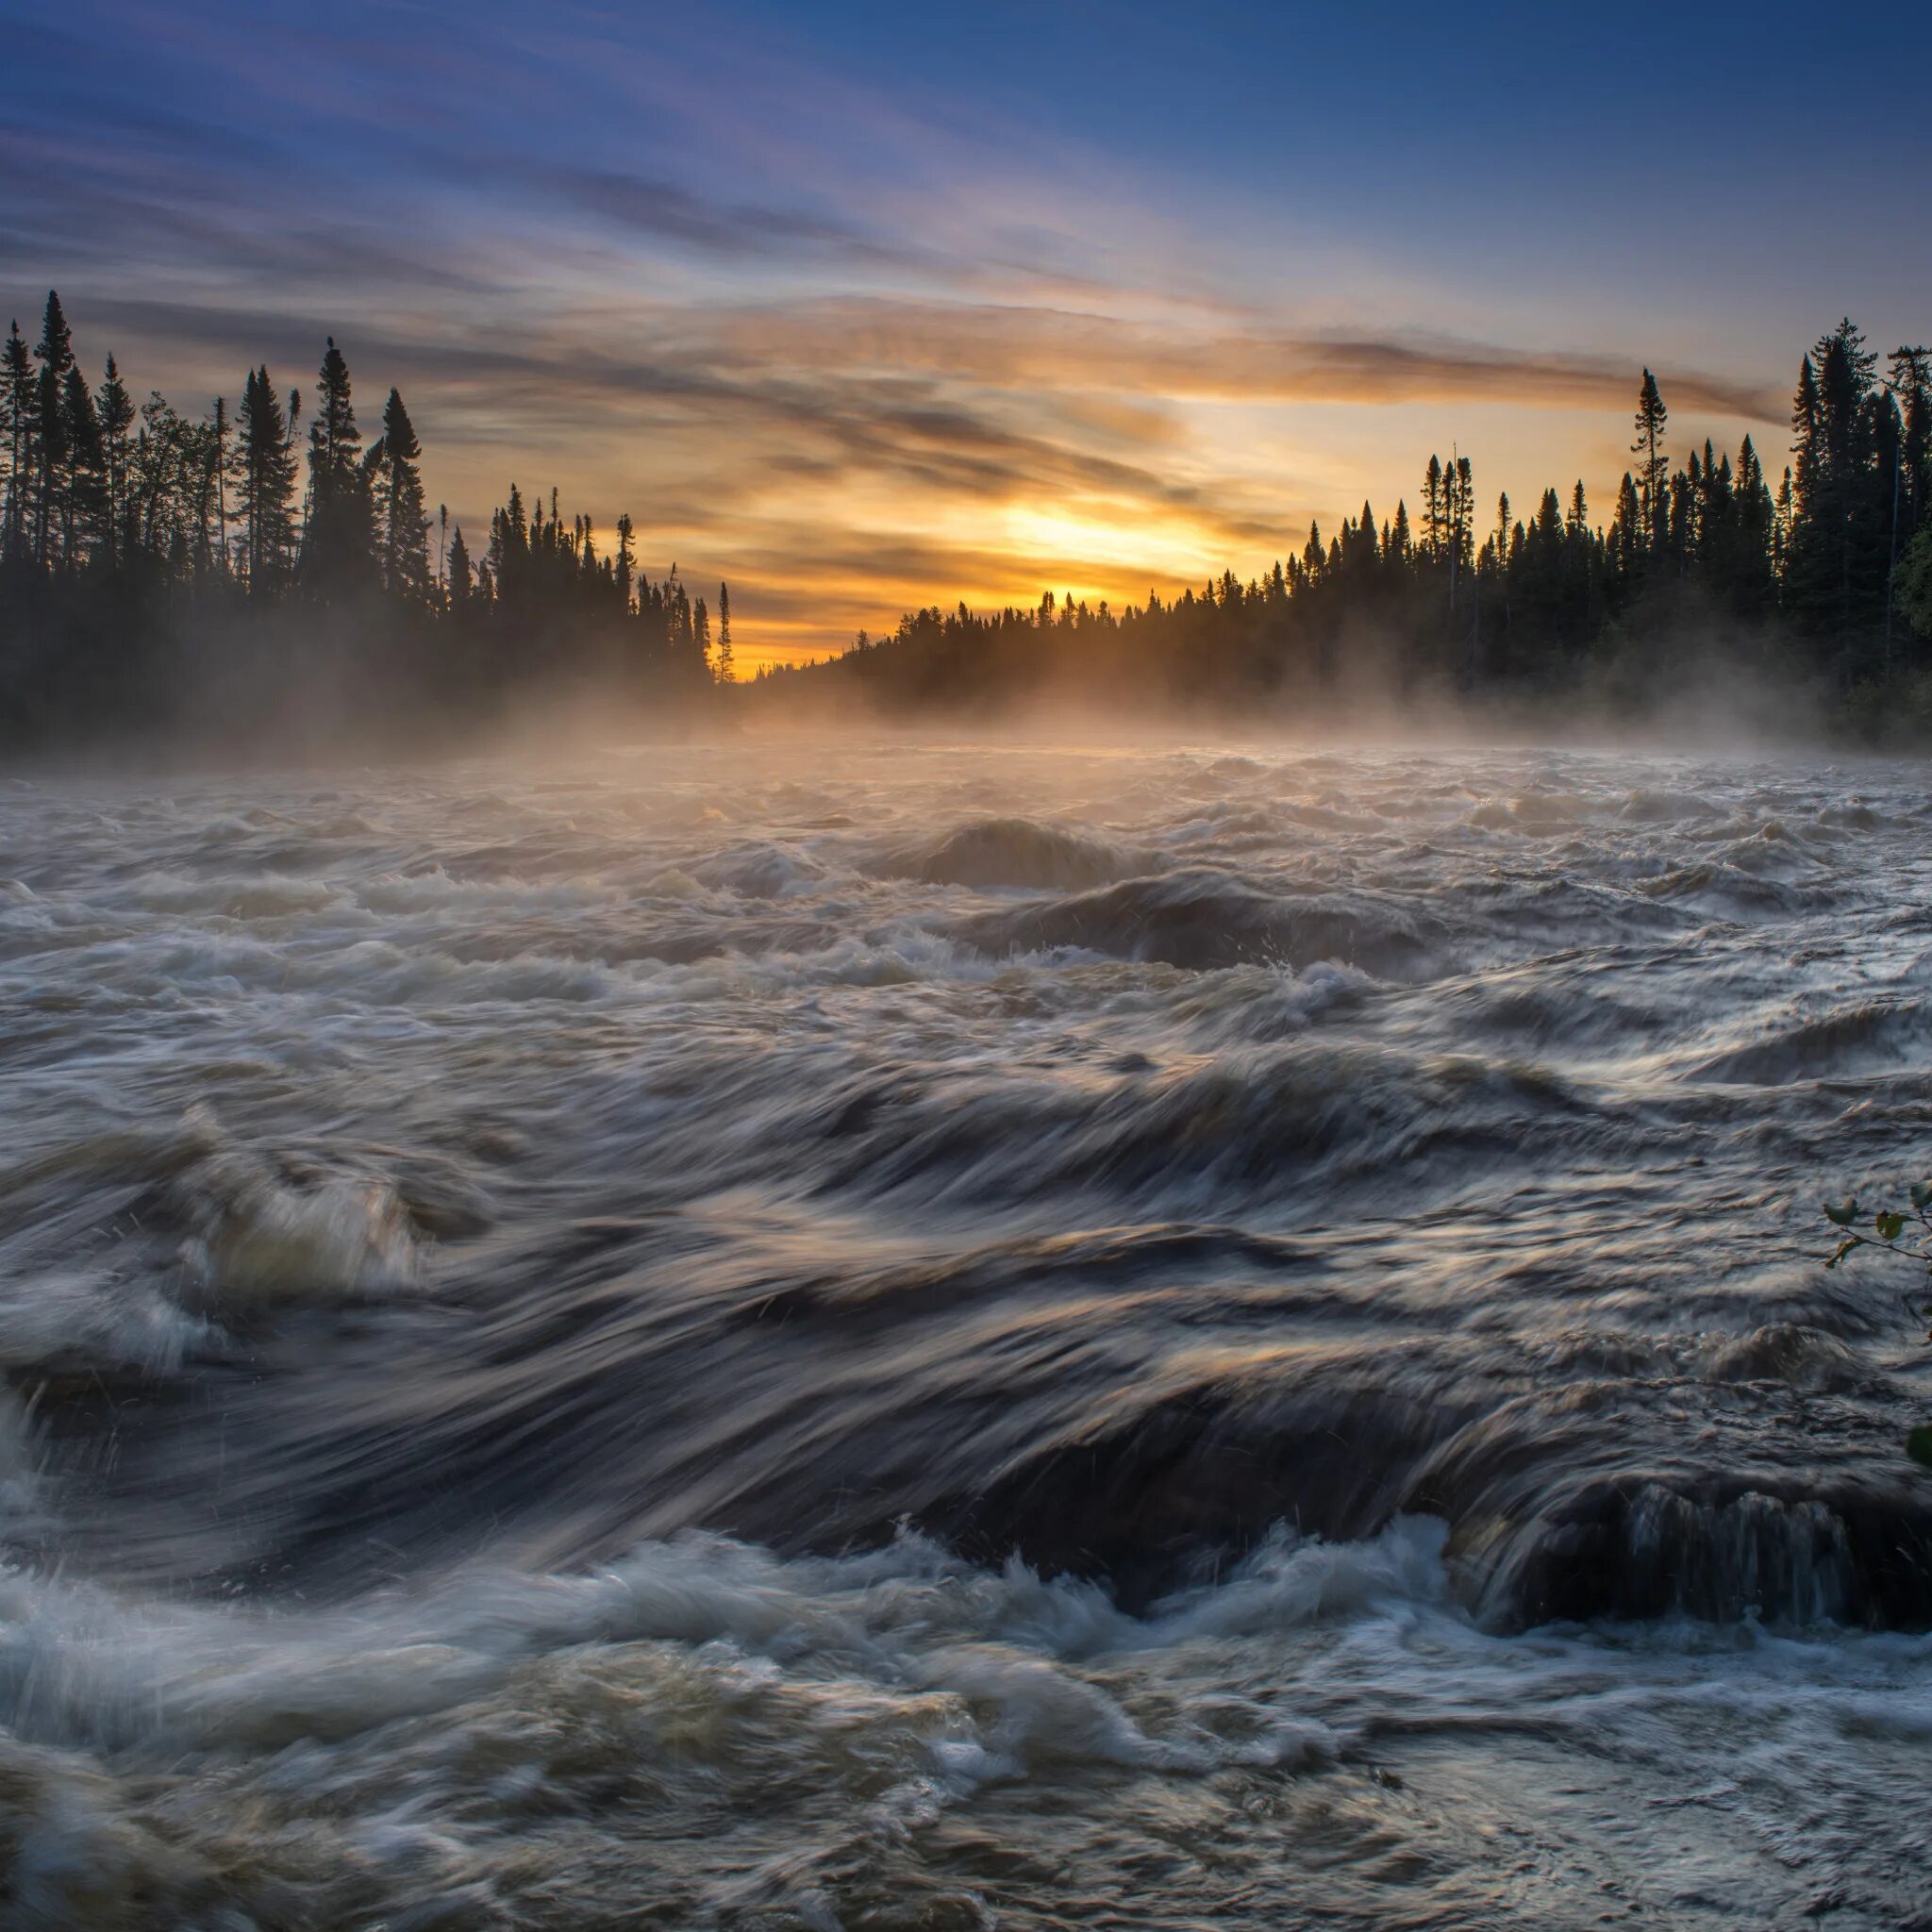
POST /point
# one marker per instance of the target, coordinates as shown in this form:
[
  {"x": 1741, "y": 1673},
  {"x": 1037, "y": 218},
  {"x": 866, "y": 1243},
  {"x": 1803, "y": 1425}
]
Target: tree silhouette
[
  {"x": 338, "y": 549},
  {"x": 1653, "y": 465},
  {"x": 397, "y": 493},
  {"x": 728, "y": 664},
  {"x": 130, "y": 604}
]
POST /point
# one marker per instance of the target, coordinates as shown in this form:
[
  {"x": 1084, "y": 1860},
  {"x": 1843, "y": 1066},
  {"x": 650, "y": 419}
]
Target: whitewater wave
[
  {"x": 918, "y": 1334},
  {"x": 1017, "y": 851}
]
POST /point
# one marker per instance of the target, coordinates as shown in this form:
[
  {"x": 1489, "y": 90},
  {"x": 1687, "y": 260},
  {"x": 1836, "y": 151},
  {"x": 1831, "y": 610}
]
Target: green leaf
[
  {"x": 1890, "y": 1226},
  {"x": 1918, "y": 1445},
  {"x": 1922, "y": 1195},
  {"x": 1844, "y": 1213}
]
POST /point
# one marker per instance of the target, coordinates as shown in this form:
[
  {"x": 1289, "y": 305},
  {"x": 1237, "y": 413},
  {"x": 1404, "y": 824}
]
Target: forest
[
  {"x": 214, "y": 577},
  {"x": 271, "y": 569},
  {"x": 1820, "y": 581}
]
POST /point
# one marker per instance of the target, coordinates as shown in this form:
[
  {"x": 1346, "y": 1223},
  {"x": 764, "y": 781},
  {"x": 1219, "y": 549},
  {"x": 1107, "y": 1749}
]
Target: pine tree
[
  {"x": 1911, "y": 381},
  {"x": 20, "y": 423},
  {"x": 1460, "y": 491},
  {"x": 397, "y": 478},
  {"x": 460, "y": 585},
  {"x": 1837, "y": 561},
  {"x": 265, "y": 481},
  {"x": 1627, "y": 529},
  {"x": 83, "y": 525},
  {"x": 219, "y": 464},
  {"x": 115, "y": 407},
  {"x": 1653, "y": 467},
  {"x": 727, "y": 666},
  {"x": 1750, "y": 562},
  {"x": 55, "y": 351},
  {"x": 626, "y": 561},
  {"x": 338, "y": 551}
]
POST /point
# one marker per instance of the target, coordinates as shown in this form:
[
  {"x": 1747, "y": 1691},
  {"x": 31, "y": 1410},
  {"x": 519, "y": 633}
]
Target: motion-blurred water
[{"x": 907, "y": 1336}]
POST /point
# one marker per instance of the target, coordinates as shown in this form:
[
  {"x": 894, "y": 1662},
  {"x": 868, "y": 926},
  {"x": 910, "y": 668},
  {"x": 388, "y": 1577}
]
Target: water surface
[{"x": 910, "y": 1335}]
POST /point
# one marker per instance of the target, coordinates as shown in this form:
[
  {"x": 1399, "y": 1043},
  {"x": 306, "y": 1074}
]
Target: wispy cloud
[{"x": 849, "y": 347}]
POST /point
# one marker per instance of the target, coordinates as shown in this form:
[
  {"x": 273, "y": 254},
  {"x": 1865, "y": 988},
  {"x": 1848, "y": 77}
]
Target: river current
[{"x": 907, "y": 1334}]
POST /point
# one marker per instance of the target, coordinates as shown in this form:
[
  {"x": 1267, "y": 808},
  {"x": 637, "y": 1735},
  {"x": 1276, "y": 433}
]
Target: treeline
[
  {"x": 1823, "y": 575},
  {"x": 225, "y": 573}
]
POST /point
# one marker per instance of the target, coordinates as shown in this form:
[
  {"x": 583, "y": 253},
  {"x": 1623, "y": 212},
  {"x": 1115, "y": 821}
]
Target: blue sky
[{"x": 863, "y": 305}]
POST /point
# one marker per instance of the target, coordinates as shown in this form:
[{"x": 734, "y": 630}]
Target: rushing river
[{"x": 917, "y": 1336}]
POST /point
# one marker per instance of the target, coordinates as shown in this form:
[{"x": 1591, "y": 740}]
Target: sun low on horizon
[{"x": 877, "y": 316}]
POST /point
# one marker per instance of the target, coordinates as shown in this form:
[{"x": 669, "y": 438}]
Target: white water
[{"x": 477, "y": 1247}]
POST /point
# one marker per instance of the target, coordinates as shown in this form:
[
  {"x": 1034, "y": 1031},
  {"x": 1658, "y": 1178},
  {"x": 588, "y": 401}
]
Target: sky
[{"x": 863, "y": 308}]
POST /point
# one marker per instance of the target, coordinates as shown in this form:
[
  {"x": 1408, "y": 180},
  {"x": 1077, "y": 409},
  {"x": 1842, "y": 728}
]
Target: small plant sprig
[{"x": 1906, "y": 1232}]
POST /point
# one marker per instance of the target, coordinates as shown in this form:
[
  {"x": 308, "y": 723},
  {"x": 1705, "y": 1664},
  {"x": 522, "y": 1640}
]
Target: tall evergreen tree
[
  {"x": 398, "y": 492},
  {"x": 265, "y": 484},
  {"x": 1627, "y": 530},
  {"x": 55, "y": 351},
  {"x": 626, "y": 562},
  {"x": 461, "y": 585},
  {"x": 728, "y": 664},
  {"x": 115, "y": 407},
  {"x": 1398, "y": 548},
  {"x": 1652, "y": 464},
  {"x": 20, "y": 423},
  {"x": 1912, "y": 382},
  {"x": 218, "y": 463},
  {"x": 1435, "y": 520},
  {"x": 84, "y": 530},
  {"x": 1839, "y": 558},
  {"x": 338, "y": 548}
]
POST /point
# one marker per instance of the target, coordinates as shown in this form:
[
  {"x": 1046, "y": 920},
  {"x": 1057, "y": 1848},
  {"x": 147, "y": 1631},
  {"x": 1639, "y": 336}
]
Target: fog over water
[{"x": 896, "y": 1334}]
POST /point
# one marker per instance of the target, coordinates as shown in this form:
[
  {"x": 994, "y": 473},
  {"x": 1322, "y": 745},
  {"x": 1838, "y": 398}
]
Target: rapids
[{"x": 907, "y": 1334}]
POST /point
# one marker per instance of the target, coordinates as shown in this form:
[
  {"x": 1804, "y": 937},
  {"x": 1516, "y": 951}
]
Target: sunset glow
[{"x": 883, "y": 319}]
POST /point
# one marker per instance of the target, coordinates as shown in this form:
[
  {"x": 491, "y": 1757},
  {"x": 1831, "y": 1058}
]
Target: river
[{"x": 921, "y": 1335}]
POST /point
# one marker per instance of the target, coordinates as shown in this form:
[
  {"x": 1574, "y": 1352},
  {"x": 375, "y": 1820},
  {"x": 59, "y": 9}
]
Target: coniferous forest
[
  {"x": 272, "y": 567},
  {"x": 277, "y": 566},
  {"x": 1810, "y": 568}
]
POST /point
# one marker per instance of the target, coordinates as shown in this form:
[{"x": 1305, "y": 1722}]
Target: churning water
[{"x": 908, "y": 1335}]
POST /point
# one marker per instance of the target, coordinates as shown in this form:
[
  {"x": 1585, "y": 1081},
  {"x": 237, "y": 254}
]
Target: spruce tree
[
  {"x": 399, "y": 496},
  {"x": 85, "y": 508},
  {"x": 1837, "y": 564},
  {"x": 727, "y": 667},
  {"x": 337, "y": 554},
  {"x": 460, "y": 585},
  {"x": 1398, "y": 548},
  {"x": 626, "y": 560},
  {"x": 1627, "y": 531},
  {"x": 1911, "y": 381},
  {"x": 265, "y": 484},
  {"x": 115, "y": 407},
  {"x": 1653, "y": 465},
  {"x": 20, "y": 423},
  {"x": 55, "y": 351},
  {"x": 218, "y": 436}
]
